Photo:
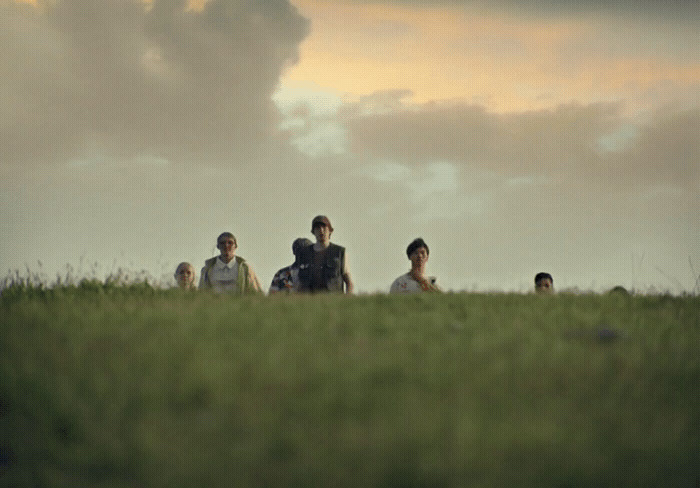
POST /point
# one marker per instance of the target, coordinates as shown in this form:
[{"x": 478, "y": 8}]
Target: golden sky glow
[{"x": 508, "y": 64}]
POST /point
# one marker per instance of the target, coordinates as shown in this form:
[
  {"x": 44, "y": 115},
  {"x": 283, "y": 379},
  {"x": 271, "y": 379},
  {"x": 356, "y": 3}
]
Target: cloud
[
  {"x": 574, "y": 144},
  {"x": 429, "y": 193},
  {"x": 309, "y": 118},
  {"x": 667, "y": 151},
  {"x": 679, "y": 9},
  {"x": 130, "y": 79}
]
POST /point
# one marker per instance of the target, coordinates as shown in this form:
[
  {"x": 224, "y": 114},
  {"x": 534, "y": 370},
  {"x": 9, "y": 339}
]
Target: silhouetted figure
[
  {"x": 619, "y": 290},
  {"x": 287, "y": 279}
]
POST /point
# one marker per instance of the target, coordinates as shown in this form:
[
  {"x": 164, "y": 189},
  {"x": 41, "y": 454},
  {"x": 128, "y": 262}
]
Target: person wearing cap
[
  {"x": 323, "y": 266},
  {"x": 287, "y": 279},
  {"x": 544, "y": 283},
  {"x": 415, "y": 280},
  {"x": 228, "y": 272}
]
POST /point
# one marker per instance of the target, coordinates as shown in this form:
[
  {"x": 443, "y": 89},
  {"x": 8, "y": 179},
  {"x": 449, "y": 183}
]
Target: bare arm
[{"x": 349, "y": 287}]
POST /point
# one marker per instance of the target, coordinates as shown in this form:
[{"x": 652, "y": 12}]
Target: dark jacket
[{"x": 332, "y": 268}]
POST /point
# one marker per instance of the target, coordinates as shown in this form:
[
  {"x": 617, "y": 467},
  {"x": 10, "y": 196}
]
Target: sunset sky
[{"x": 513, "y": 136}]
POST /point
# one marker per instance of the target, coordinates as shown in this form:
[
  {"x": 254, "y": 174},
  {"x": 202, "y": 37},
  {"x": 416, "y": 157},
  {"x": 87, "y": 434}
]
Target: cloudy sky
[{"x": 513, "y": 136}]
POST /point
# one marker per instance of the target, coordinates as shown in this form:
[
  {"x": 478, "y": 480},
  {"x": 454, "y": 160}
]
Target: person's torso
[
  {"x": 322, "y": 270},
  {"x": 226, "y": 277},
  {"x": 286, "y": 279},
  {"x": 407, "y": 284}
]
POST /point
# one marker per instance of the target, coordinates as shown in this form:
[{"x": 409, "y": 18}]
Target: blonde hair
[{"x": 180, "y": 267}]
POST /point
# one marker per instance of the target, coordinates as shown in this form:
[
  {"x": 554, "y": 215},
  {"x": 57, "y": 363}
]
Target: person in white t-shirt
[{"x": 415, "y": 280}]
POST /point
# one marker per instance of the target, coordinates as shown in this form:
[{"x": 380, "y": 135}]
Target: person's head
[
  {"x": 300, "y": 244},
  {"x": 321, "y": 228},
  {"x": 418, "y": 252},
  {"x": 184, "y": 275},
  {"x": 226, "y": 244},
  {"x": 544, "y": 283},
  {"x": 619, "y": 290}
]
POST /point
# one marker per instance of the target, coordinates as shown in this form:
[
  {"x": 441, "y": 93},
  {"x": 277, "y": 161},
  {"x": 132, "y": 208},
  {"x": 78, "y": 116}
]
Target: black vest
[{"x": 332, "y": 274}]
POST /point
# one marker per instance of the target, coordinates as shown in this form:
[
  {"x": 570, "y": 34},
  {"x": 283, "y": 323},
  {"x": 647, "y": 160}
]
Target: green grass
[{"x": 110, "y": 386}]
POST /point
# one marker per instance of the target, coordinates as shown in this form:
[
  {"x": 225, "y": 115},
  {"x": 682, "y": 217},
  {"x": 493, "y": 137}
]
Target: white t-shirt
[{"x": 406, "y": 284}]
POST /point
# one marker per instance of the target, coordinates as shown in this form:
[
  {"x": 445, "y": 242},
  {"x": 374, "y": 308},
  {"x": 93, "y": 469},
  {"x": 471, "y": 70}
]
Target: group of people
[{"x": 318, "y": 267}]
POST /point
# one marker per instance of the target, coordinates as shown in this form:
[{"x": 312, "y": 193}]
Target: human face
[
  {"x": 544, "y": 286},
  {"x": 227, "y": 246},
  {"x": 418, "y": 258},
  {"x": 185, "y": 276},
  {"x": 322, "y": 233}
]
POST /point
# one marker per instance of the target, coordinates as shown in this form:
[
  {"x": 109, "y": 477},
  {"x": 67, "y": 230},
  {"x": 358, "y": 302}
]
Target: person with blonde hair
[
  {"x": 415, "y": 280},
  {"x": 185, "y": 276}
]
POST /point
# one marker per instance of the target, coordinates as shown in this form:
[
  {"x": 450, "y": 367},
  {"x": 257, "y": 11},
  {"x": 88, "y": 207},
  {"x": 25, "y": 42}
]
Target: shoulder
[
  {"x": 284, "y": 271},
  {"x": 243, "y": 264},
  {"x": 401, "y": 284},
  {"x": 208, "y": 264},
  {"x": 204, "y": 274},
  {"x": 336, "y": 250},
  {"x": 433, "y": 281},
  {"x": 281, "y": 278},
  {"x": 404, "y": 278}
]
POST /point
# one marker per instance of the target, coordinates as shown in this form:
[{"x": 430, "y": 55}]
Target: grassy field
[{"x": 107, "y": 386}]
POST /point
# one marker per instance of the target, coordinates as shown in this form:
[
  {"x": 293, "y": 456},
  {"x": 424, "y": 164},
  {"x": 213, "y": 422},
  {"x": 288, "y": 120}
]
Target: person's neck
[
  {"x": 418, "y": 272},
  {"x": 226, "y": 259},
  {"x": 321, "y": 245}
]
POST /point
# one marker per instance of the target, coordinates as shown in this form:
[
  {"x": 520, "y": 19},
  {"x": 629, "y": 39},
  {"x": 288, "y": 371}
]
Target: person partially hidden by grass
[
  {"x": 619, "y": 290},
  {"x": 287, "y": 279},
  {"x": 184, "y": 276},
  {"x": 415, "y": 280},
  {"x": 228, "y": 272},
  {"x": 323, "y": 266},
  {"x": 544, "y": 283}
]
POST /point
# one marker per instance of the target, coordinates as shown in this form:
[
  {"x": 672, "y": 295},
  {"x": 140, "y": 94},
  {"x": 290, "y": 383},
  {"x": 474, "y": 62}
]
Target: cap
[{"x": 321, "y": 219}]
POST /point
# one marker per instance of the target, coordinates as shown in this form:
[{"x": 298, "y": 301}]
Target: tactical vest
[{"x": 333, "y": 266}]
